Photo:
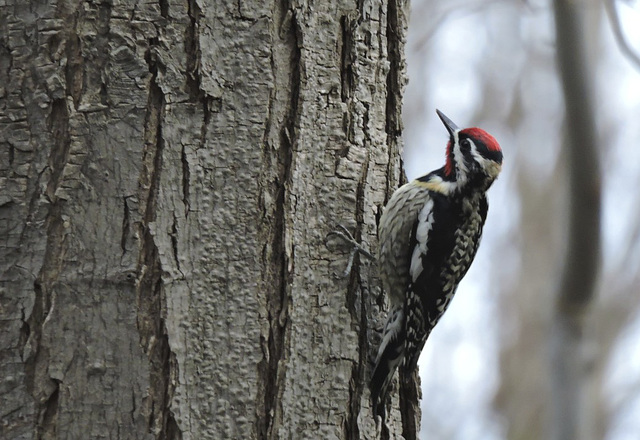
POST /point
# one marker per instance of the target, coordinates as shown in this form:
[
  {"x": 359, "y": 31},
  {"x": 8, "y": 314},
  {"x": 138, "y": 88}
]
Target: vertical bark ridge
[
  {"x": 195, "y": 90},
  {"x": 150, "y": 290},
  {"x": 271, "y": 369},
  {"x": 45, "y": 389},
  {"x": 358, "y": 300}
]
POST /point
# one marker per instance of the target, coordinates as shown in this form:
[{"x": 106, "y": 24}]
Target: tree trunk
[
  {"x": 573, "y": 410},
  {"x": 170, "y": 171}
]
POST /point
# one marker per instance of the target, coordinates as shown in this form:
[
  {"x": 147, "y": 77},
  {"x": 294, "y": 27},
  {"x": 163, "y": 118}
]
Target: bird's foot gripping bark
[{"x": 356, "y": 248}]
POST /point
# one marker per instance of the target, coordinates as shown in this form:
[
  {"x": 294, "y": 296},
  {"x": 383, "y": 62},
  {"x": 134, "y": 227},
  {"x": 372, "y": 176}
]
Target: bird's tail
[{"x": 390, "y": 355}]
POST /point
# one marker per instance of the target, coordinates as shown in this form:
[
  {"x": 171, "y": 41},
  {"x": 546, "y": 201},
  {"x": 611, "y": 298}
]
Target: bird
[{"x": 428, "y": 237}]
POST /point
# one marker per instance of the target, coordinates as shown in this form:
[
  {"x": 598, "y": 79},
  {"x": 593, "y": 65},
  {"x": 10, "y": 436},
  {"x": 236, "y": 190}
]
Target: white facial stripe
[
  {"x": 459, "y": 158},
  {"x": 485, "y": 164},
  {"x": 476, "y": 154},
  {"x": 490, "y": 167}
]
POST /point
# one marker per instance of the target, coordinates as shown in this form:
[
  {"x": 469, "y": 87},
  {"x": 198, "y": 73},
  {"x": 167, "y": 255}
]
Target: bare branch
[{"x": 616, "y": 26}]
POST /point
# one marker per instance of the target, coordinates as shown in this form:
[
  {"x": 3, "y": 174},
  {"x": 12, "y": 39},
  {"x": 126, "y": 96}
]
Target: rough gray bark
[
  {"x": 571, "y": 411},
  {"x": 169, "y": 173}
]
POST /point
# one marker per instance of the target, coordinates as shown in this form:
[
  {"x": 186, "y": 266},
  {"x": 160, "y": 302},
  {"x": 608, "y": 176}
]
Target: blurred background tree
[{"x": 490, "y": 362}]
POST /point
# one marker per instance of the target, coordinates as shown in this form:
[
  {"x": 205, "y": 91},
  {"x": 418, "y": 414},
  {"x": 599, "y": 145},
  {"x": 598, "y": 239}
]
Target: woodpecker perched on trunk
[{"x": 429, "y": 234}]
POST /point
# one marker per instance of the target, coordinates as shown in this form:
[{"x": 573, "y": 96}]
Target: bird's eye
[{"x": 465, "y": 145}]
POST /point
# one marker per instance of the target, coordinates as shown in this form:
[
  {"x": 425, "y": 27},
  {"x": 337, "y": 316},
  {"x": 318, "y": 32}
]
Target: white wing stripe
[{"x": 425, "y": 224}]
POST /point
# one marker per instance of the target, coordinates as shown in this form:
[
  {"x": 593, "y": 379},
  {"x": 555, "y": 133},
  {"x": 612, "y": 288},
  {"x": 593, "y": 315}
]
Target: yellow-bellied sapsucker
[{"x": 429, "y": 234}]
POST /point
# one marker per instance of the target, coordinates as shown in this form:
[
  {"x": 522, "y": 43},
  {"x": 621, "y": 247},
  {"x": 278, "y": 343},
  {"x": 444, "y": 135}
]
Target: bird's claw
[{"x": 356, "y": 248}]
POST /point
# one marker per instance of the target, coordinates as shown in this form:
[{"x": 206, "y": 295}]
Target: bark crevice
[
  {"x": 186, "y": 179},
  {"x": 196, "y": 92},
  {"x": 126, "y": 225},
  {"x": 395, "y": 87},
  {"x": 48, "y": 425},
  {"x": 348, "y": 77},
  {"x": 192, "y": 49},
  {"x": 164, "y": 8},
  {"x": 347, "y": 81},
  {"x": 174, "y": 242},
  {"x": 43, "y": 388},
  {"x": 58, "y": 124},
  {"x": 271, "y": 370},
  {"x": 74, "y": 75}
]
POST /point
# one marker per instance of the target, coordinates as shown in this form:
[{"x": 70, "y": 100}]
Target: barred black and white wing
[
  {"x": 404, "y": 230},
  {"x": 426, "y": 248}
]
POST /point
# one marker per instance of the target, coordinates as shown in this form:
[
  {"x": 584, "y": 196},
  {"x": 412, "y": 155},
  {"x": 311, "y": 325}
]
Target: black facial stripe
[
  {"x": 493, "y": 155},
  {"x": 465, "y": 146}
]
